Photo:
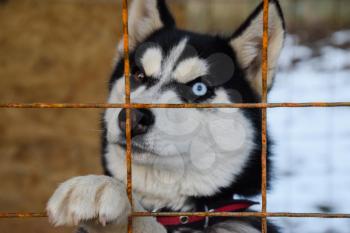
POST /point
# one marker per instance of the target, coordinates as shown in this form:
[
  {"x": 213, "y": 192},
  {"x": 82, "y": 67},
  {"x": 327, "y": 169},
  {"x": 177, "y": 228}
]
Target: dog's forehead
[
  {"x": 159, "y": 59},
  {"x": 183, "y": 59}
]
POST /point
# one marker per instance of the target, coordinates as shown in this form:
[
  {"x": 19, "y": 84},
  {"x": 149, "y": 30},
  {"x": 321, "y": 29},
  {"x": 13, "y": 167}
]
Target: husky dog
[{"x": 183, "y": 159}]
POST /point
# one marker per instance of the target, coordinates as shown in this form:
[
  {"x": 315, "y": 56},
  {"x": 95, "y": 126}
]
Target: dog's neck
[{"x": 154, "y": 203}]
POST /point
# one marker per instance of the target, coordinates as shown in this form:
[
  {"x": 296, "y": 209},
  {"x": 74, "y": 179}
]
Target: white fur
[
  {"x": 172, "y": 58},
  {"x": 87, "y": 198},
  {"x": 179, "y": 164},
  {"x": 248, "y": 47},
  {"x": 144, "y": 19},
  {"x": 97, "y": 203},
  {"x": 140, "y": 225},
  {"x": 152, "y": 61},
  {"x": 190, "y": 69}
]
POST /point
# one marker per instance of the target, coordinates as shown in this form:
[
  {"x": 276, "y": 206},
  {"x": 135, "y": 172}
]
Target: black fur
[
  {"x": 165, "y": 14},
  {"x": 257, "y": 10},
  {"x": 81, "y": 230}
]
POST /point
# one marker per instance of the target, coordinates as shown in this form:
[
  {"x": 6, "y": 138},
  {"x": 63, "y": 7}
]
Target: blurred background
[{"x": 62, "y": 51}]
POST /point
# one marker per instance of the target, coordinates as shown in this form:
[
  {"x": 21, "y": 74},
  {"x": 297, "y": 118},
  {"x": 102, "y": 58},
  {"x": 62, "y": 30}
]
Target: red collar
[{"x": 174, "y": 221}]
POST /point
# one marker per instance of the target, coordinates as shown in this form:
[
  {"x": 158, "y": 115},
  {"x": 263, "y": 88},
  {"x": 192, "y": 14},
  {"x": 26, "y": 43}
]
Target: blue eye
[{"x": 199, "y": 89}]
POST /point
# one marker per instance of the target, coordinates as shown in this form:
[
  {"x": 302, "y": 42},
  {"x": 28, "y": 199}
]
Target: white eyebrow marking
[
  {"x": 172, "y": 58},
  {"x": 190, "y": 68},
  {"x": 152, "y": 61}
]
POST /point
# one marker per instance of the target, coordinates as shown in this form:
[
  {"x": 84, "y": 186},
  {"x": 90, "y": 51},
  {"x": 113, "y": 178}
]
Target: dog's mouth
[
  {"x": 137, "y": 147},
  {"x": 145, "y": 155}
]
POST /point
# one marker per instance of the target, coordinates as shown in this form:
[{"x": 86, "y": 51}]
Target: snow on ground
[{"x": 312, "y": 145}]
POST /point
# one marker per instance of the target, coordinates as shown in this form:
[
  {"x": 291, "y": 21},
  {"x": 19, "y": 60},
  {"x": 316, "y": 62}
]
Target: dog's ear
[
  {"x": 146, "y": 17},
  {"x": 247, "y": 44}
]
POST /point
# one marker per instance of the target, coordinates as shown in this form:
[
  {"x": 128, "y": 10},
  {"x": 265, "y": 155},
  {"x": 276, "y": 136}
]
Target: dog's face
[{"x": 174, "y": 66}]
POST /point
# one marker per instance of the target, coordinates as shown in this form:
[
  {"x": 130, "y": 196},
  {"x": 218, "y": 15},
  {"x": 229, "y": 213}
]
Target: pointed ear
[
  {"x": 146, "y": 17},
  {"x": 247, "y": 44}
]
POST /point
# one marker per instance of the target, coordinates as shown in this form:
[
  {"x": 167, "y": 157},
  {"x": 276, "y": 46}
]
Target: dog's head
[{"x": 169, "y": 65}]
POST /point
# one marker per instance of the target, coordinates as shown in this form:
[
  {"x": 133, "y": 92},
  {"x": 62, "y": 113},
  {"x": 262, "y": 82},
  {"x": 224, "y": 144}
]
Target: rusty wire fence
[{"x": 128, "y": 105}]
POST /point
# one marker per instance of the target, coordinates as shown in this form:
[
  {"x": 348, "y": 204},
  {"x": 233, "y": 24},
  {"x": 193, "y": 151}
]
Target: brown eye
[{"x": 141, "y": 77}]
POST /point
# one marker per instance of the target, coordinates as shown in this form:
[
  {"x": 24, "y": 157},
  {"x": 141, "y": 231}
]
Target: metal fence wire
[{"x": 263, "y": 214}]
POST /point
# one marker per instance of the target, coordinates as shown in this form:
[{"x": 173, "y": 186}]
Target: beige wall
[{"x": 310, "y": 18}]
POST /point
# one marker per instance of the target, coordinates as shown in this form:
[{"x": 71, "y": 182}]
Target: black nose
[{"x": 141, "y": 121}]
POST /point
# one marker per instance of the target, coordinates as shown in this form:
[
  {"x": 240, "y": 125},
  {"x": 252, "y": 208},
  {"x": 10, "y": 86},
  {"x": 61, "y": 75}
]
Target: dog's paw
[{"x": 87, "y": 198}]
